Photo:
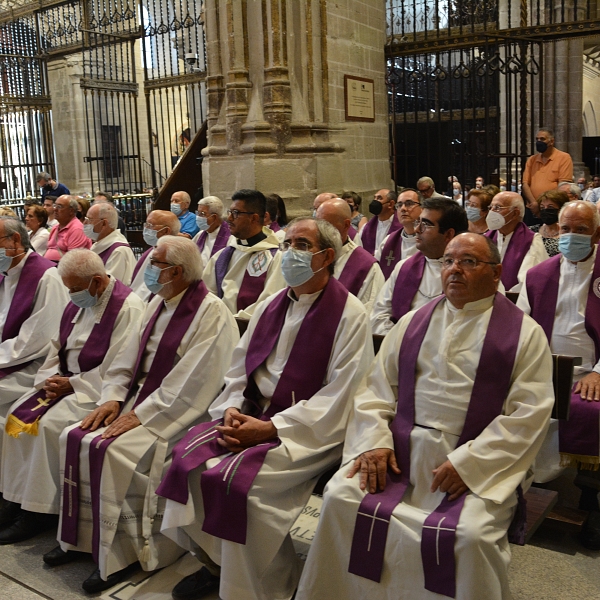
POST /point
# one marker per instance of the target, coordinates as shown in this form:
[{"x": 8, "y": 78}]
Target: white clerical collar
[
  {"x": 173, "y": 302},
  {"x": 477, "y": 306},
  {"x": 304, "y": 298},
  {"x": 407, "y": 236}
]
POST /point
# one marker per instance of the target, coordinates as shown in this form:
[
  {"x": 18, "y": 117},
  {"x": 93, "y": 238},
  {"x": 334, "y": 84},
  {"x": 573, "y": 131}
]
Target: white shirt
[
  {"x": 569, "y": 336},
  {"x": 138, "y": 285},
  {"x": 122, "y": 260},
  {"x": 210, "y": 243},
  {"x": 409, "y": 246},
  {"x": 430, "y": 287},
  {"x": 382, "y": 230},
  {"x": 373, "y": 281},
  {"x": 39, "y": 240}
]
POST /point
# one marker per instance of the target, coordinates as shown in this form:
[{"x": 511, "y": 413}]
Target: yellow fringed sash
[
  {"x": 15, "y": 426},
  {"x": 580, "y": 461}
]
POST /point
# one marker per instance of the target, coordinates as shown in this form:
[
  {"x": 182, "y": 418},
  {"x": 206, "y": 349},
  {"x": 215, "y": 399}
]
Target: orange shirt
[{"x": 542, "y": 177}]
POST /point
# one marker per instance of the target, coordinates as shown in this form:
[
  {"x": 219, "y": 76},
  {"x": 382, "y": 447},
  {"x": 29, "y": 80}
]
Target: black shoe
[
  {"x": 58, "y": 556},
  {"x": 26, "y": 526},
  {"x": 9, "y": 511},
  {"x": 590, "y": 534},
  {"x": 196, "y": 586},
  {"x": 94, "y": 583},
  {"x": 589, "y": 499}
]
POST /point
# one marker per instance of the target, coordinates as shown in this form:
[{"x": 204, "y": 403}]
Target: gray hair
[
  {"x": 168, "y": 219},
  {"x": 427, "y": 181},
  {"x": 327, "y": 236},
  {"x": 81, "y": 263},
  {"x": 12, "y": 226},
  {"x": 73, "y": 204},
  {"x": 588, "y": 205},
  {"x": 185, "y": 254},
  {"x": 109, "y": 212},
  {"x": 517, "y": 201},
  {"x": 214, "y": 205},
  {"x": 573, "y": 188},
  {"x": 43, "y": 175}
]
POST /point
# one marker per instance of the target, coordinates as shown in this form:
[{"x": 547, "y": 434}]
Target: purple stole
[
  {"x": 274, "y": 226},
  {"x": 21, "y": 305},
  {"x": 490, "y": 388},
  {"x": 578, "y": 437},
  {"x": 140, "y": 262},
  {"x": 368, "y": 234},
  {"x": 352, "y": 233},
  {"x": 220, "y": 241},
  {"x": 407, "y": 285},
  {"x": 162, "y": 364},
  {"x": 26, "y": 416},
  {"x": 106, "y": 254},
  {"x": 391, "y": 254},
  {"x": 518, "y": 247},
  {"x": 357, "y": 268},
  {"x": 225, "y": 496},
  {"x": 251, "y": 287}
]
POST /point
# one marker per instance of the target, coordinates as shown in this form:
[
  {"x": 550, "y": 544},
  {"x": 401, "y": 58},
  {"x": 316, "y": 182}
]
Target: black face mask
[
  {"x": 48, "y": 188},
  {"x": 375, "y": 207},
  {"x": 541, "y": 147},
  {"x": 549, "y": 216}
]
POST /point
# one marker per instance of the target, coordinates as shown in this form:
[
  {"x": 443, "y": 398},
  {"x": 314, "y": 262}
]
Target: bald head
[
  {"x": 582, "y": 212},
  {"x": 165, "y": 222},
  {"x": 338, "y": 213},
  {"x": 323, "y": 198}
]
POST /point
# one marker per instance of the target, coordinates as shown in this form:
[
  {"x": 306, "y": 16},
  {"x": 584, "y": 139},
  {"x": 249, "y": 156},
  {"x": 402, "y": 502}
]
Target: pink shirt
[{"x": 63, "y": 239}]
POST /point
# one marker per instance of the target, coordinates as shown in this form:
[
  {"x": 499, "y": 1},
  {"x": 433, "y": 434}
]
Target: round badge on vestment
[{"x": 596, "y": 287}]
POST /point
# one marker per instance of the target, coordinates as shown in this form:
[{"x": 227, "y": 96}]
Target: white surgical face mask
[
  {"x": 495, "y": 220},
  {"x": 88, "y": 229}
]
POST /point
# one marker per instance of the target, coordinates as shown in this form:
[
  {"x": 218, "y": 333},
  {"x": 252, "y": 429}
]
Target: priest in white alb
[
  {"x": 444, "y": 430},
  {"x": 102, "y": 313},
  {"x": 101, "y": 226},
  {"x": 158, "y": 224},
  {"x": 563, "y": 295},
  {"x": 417, "y": 280},
  {"x": 214, "y": 232},
  {"x": 355, "y": 267},
  {"x": 161, "y": 382},
  {"x": 32, "y": 298},
  {"x": 248, "y": 271},
  {"x": 237, "y": 484}
]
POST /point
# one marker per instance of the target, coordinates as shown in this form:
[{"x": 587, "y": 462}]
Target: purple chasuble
[
  {"x": 225, "y": 487},
  {"x": 391, "y": 254},
  {"x": 579, "y": 437},
  {"x": 21, "y": 305},
  {"x": 518, "y": 247},
  {"x": 356, "y": 269},
  {"x": 91, "y": 356},
  {"x": 368, "y": 235},
  {"x": 251, "y": 288},
  {"x": 220, "y": 241},
  {"x": 162, "y": 364},
  {"x": 140, "y": 262},
  {"x": 407, "y": 285},
  {"x": 106, "y": 254},
  {"x": 274, "y": 226},
  {"x": 490, "y": 389},
  {"x": 352, "y": 233}
]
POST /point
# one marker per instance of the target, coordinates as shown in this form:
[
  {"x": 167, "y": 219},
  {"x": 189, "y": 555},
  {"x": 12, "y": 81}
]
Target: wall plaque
[{"x": 359, "y": 99}]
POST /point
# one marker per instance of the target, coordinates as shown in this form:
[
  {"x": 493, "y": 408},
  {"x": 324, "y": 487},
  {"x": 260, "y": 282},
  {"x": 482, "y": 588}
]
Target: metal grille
[{"x": 25, "y": 119}]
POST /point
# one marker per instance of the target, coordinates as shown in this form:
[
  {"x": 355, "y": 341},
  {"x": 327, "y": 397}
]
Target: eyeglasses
[
  {"x": 467, "y": 263},
  {"x": 234, "y": 214},
  {"x": 155, "y": 262},
  {"x": 203, "y": 214},
  {"x": 302, "y": 246},
  {"x": 88, "y": 221},
  {"x": 59, "y": 206},
  {"x": 408, "y": 203},
  {"x": 498, "y": 208},
  {"x": 423, "y": 224}
]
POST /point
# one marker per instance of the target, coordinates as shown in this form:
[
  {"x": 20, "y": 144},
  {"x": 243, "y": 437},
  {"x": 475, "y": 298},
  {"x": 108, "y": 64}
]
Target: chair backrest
[
  {"x": 512, "y": 296},
  {"x": 242, "y": 325},
  {"x": 562, "y": 379}
]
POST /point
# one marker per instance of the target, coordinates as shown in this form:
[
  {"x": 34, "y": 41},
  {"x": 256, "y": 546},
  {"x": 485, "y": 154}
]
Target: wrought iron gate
[{"x": 466, "y": 83}]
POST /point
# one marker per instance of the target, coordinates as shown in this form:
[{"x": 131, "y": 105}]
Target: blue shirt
[
  {"x": 60, "y": 190},
  {"x": 188, "y": 223}
]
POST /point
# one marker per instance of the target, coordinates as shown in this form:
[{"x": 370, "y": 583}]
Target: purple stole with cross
[
  {"x": 579, "y": 438},
  {"x": 26, "y": 416},
  {"x": 251, "y": 288},
  {"x": 391, "y": 254},
  {"x": 225, "y": 487},
  {"x": 21, "y": 305},
  {"x": 518, "y": 247},
  {"x": 162, "y": 364},
  {"x": 356, "y": 269},
  {"x": 490, "y": 389},
  {"x": 140, "y": 262},
  {"x": 220, "y": 241},
  {"x": 407, "y": 285},
  {"x": 106, "y": 254},
  {"x": 368, "y": 235}
]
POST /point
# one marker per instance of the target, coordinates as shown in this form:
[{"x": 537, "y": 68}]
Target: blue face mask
[
  {"x": 151, "y": 236},
  {"x": 5, "y": 261},
  {"x": 151, "y": 275},
  {"x": 176, "y": 208},
  {"x": 296, "y": 266},
  {"x": 574, "y": 246},
  {"x": 473, "y": 214},
  {"x": 202, "y": 223},
  {"x": 84, "y": 299}
]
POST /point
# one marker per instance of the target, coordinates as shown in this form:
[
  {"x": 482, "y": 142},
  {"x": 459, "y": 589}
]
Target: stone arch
[{"x": 590, "y": 128}]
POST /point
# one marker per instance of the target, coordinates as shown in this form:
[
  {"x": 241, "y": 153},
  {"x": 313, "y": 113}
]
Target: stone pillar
[{"x": 275, "y": 85}]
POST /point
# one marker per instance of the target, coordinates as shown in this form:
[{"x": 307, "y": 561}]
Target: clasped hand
[
  {"x": 106, "y": 416},
  {"x": 57, "y": 386},
  {"x": 242, "y": 431}
]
